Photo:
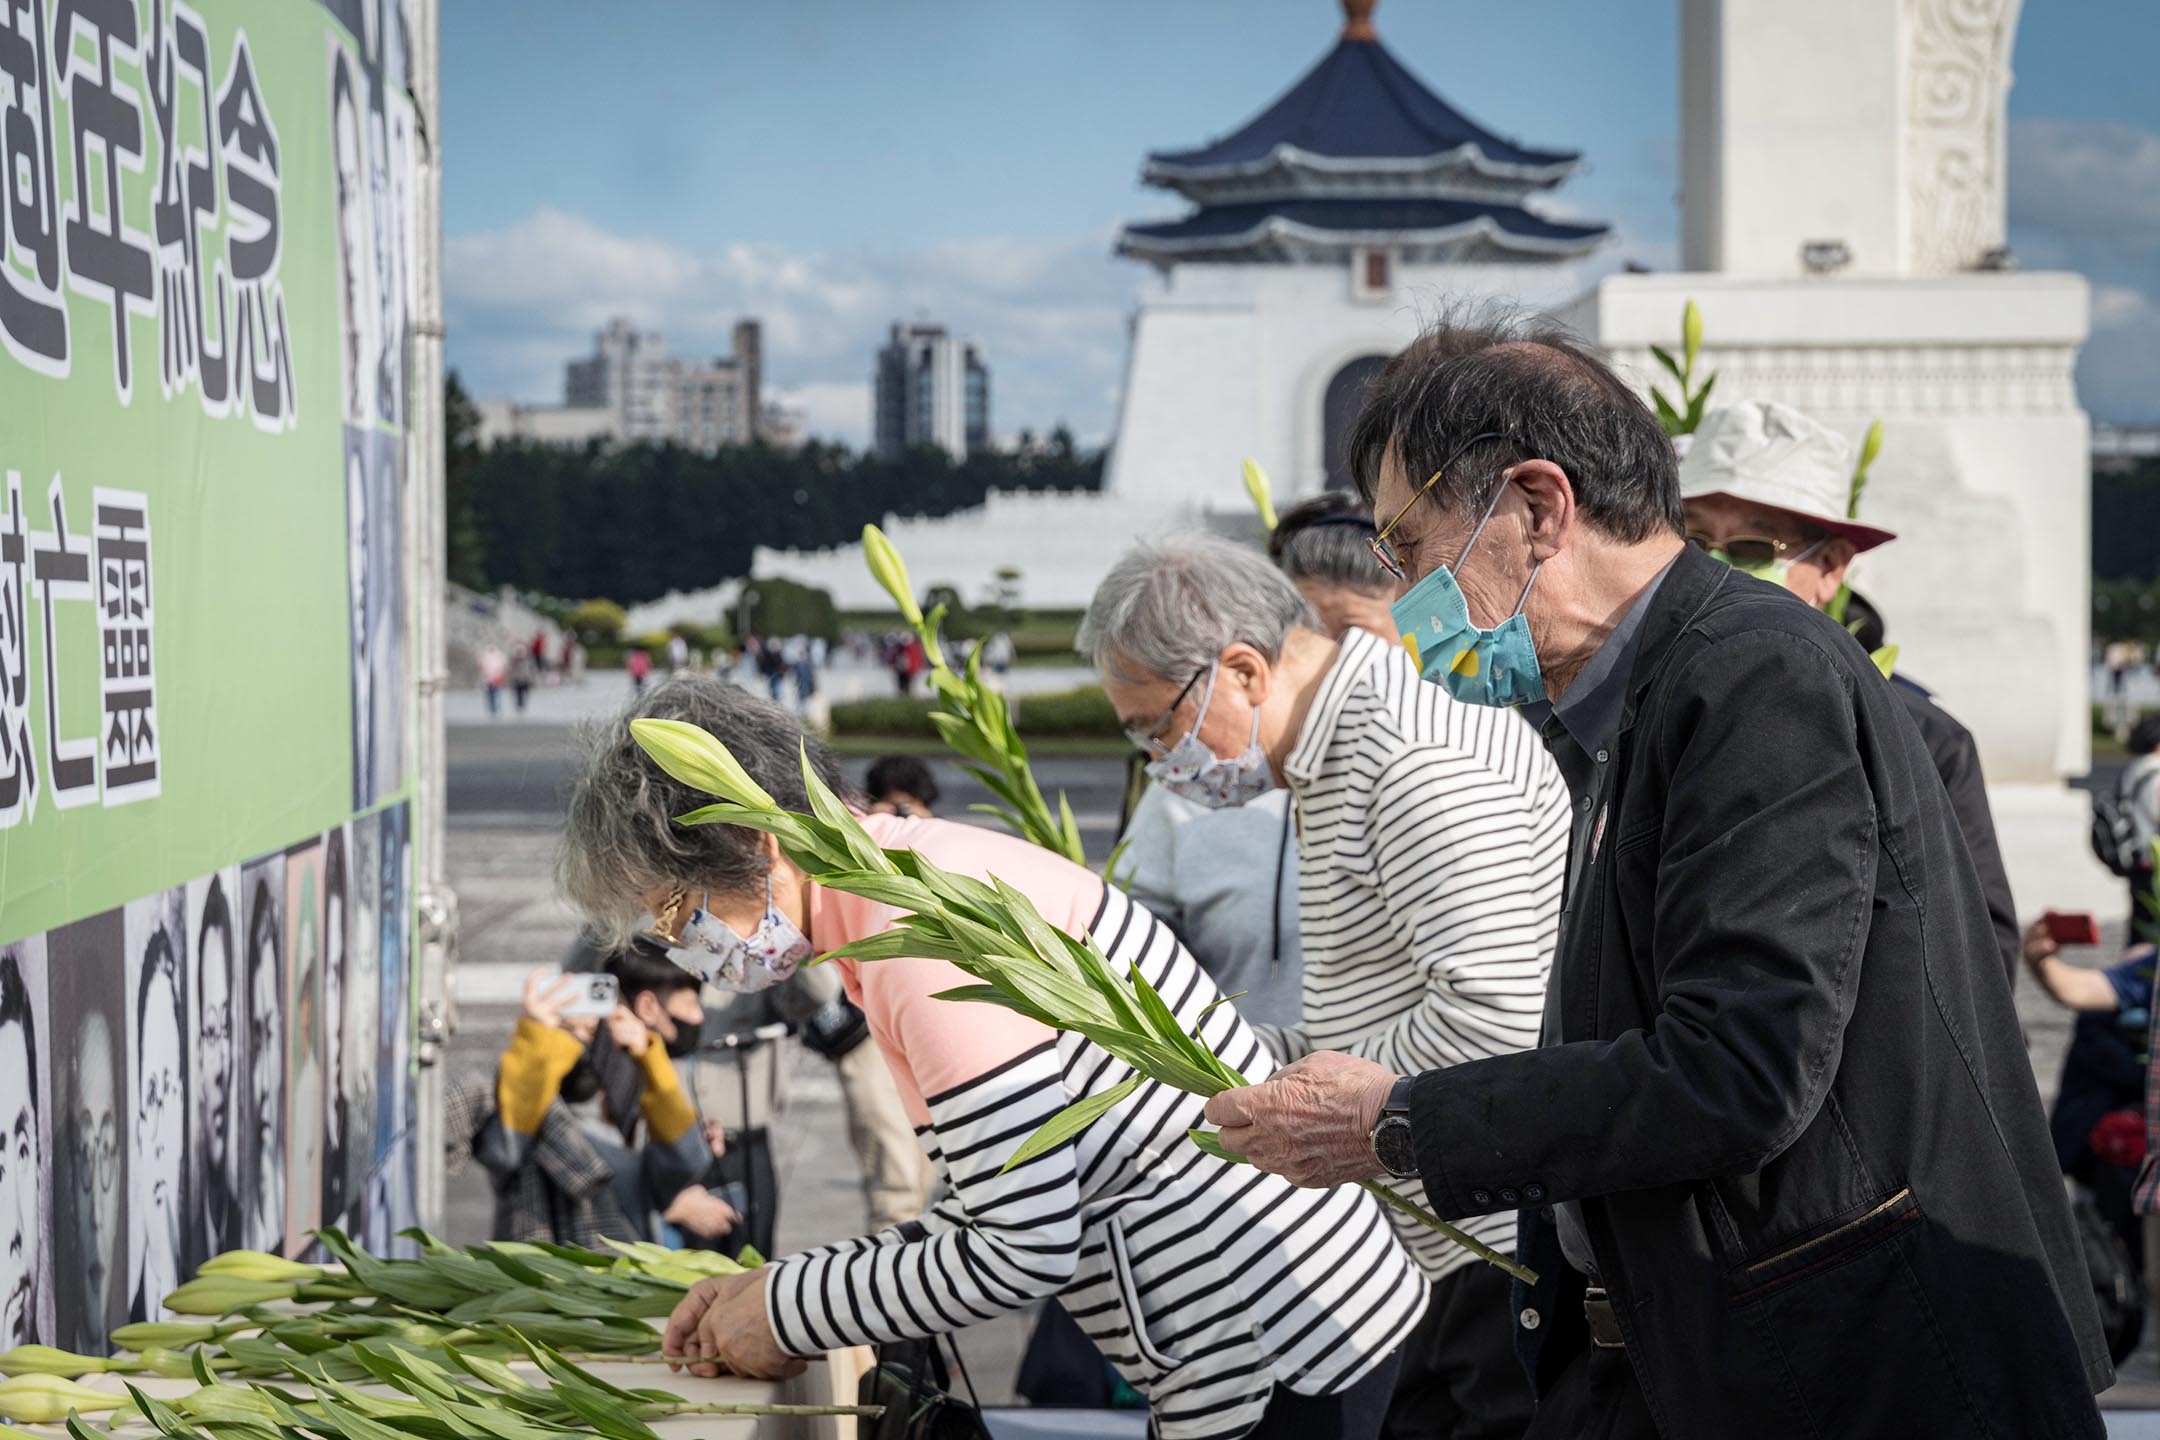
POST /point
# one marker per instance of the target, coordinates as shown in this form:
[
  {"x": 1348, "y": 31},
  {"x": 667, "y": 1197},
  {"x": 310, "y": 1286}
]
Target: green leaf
[
  {"x": 605, "y": 1414},
  {"x": 1209, "y": 1141},
  {"x": 1667, "y": 416},
  {"x": 1700, "y": 403},
  {"x": 1070, "y": 1121},
  {"x": 699, "y": 760},
  {"x": 1885, "y": 660},
  {"x": 1672, "y": 366}
]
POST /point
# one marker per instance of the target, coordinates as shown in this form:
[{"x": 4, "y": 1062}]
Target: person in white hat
[{"x": 1766, "y": 489}]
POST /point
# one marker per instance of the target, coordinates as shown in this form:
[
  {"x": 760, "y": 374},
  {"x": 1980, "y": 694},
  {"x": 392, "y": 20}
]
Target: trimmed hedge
[
  {"x": 1060, "y": 714},
  {"x": 884, "y": 715},
  {"x": 1084, "y": 710}
]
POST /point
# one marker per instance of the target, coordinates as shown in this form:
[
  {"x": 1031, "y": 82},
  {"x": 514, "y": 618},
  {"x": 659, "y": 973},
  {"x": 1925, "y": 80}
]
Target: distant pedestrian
[
  {"x": 493, "y": 667},
  {"x": 772, "y": 665},
  {"x": 639, "y": 664},
  {"x": 998, "y": 654},
  {"x": 574, "y": 659},
  {"x": 802, "y": 661},
  {"x": 521, "y": 678},
  {"x": 678, "y": 654},
  {"x": 896, "y": 661}
]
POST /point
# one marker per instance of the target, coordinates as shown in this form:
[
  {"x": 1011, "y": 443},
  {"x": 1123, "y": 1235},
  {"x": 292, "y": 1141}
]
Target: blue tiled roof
[
  {"x": 1223, "y": 222},
  {"x": 1360, "y": 103}
]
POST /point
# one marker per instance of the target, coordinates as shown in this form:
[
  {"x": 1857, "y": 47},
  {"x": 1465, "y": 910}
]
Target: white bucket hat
[{"x": 1764, "y": 453}]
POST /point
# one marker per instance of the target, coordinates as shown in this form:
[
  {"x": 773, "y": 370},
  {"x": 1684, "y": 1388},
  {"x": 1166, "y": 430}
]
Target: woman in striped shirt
[
  {"x": 1432, "y": 840},
  {"x": 1237, "y": 1303}
]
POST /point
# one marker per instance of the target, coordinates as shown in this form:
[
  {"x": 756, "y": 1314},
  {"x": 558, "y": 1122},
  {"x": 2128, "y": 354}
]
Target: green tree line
[{"x": 632, "y": 522}]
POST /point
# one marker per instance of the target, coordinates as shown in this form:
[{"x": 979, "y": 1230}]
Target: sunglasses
[
  {"x": 1150, "y": 739},
  {"x": 1381, "y": 549},
  {"x": 1750, "y": 550}
]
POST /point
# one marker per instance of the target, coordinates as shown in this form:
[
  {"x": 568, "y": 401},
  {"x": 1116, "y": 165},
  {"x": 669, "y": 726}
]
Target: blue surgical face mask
[
  {"x": 1191, "y": 770},
  {"x": 709, "y": 948},
  {"x": 1479, "y": 667}
]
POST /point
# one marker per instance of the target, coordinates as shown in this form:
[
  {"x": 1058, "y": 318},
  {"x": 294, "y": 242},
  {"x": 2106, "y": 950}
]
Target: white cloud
[
  {"x": 1050, "y": 314},
  {"x": 2085, "y": 196}
]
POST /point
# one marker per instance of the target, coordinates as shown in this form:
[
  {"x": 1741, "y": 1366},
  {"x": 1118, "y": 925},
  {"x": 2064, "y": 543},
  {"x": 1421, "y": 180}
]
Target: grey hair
[
  {"x": 620, "y": 838},
  {"x": 1169, "y": 607}
]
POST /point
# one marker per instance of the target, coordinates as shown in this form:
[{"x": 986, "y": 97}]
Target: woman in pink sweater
[{"x": 1237, "y": 1303}]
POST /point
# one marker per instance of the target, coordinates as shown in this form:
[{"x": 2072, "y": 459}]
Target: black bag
[
  {"x": 910, "y": 1380},
  {"x": 2114, "y": 836},
  {"x": 2115, "y": 1280}
]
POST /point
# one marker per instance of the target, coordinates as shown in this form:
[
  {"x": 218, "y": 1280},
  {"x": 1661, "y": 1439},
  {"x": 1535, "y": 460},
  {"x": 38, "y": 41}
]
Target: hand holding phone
[
  {"x": 596, "y": 997},
  {"x": 2068, "y": 928}
]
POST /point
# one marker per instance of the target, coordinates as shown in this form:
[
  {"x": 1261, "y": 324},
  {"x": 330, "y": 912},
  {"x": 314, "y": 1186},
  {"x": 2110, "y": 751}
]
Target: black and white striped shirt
[
  {"x": 1432, "y": 849},
  {"x": 1205, "y": 1283}
]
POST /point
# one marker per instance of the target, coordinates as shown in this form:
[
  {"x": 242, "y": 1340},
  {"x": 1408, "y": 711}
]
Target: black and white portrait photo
[
  {"x": 26, "y": 1289},
  {"x": 262, "y": 1149},
  {"x": 156, "y": 990},
  {"x": 375, "y": 575},
  {"x": 218, "y": 1000},
  {"x": 393, "y": 1045},
  {"x": 355, "y": 241},
  {"x": 304, "y": 1040},
  {"x": 337, "y": 936},
  {"x": 353, "y": 1078},
  {"x": 84, "y": 983}
]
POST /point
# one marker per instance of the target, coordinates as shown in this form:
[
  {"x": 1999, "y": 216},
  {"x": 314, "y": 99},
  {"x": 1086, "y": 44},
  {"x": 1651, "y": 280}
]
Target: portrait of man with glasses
[
  {"x": 157, "y": 988},
  {"x": 89, "y": 1182}
]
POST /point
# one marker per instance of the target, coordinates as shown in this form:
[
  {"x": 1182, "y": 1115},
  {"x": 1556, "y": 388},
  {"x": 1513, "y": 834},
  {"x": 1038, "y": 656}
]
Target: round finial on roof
[{"x": 1357, "y": 20}]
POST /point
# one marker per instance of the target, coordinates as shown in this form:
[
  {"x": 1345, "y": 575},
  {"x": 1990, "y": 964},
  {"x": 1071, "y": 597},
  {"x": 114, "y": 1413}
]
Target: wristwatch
[{"x": 1390, "y": 1136}]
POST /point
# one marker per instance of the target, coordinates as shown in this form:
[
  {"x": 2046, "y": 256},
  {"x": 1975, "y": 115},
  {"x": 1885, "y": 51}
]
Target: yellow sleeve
[
  {"x": 668, "y": 1112},
  {"x": 531, "y": 1073}
]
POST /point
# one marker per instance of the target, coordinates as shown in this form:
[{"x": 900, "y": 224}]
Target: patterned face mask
[
  {"x": 1190, "y": 770},
  {"x": 709, "y": 948}
]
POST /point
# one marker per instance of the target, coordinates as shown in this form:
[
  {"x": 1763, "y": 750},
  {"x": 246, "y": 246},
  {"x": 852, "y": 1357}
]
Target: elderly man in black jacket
[
  {"x": 1781, "y": 1163},
  {"x": 1766, "y": 489}
]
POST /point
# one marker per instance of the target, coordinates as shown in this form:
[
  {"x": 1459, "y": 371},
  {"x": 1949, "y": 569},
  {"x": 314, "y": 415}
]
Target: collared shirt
[
  {"x": 1580, "y": 731},
  {"x": 1432, "y": 844}
]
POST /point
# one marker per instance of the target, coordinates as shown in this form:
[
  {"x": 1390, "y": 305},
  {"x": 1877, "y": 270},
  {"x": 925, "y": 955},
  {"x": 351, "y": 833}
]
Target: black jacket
[
  {"x": 1957, "y": 760},
  {"x": 1787, "y": 1081}
]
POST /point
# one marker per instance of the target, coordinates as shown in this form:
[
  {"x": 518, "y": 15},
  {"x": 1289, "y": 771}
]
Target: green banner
[{"x": 207, "y": 252}]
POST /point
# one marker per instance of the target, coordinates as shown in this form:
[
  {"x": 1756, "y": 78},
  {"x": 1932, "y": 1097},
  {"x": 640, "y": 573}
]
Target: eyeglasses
[
  {"x": 1753, "y": 550},
  {"x": 1151, "y": 738},
  {"x": 1384, "y": 552}
]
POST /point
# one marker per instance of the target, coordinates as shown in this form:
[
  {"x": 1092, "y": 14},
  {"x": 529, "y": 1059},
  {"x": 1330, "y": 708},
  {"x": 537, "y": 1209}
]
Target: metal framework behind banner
[{"x": 435, "y": 909}]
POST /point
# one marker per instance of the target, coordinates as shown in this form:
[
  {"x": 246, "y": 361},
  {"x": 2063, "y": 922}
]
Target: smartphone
[
  {"x": 2069, "y": 929},
  {"x": 597, "y": 997}
]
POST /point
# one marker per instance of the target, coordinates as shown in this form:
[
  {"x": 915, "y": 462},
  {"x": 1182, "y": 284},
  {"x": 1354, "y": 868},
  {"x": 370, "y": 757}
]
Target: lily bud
[{"x": 45, "y": 1360}]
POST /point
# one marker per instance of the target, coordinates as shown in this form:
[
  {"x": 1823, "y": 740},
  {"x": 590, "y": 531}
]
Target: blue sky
[{"x": 833, "y": 165}]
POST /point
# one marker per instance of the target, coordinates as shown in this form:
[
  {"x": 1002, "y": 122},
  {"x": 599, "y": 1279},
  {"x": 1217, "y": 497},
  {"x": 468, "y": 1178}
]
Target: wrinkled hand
[
  {"x": 2039, "y": 945},
  {"x": 1310, "y": 1122},
  {"x": 701, "y": 1212},
  {"x": 546, "y": 992},
  {"x": 720, "y": 1328},
  {"x": 629, "y": 1033}
]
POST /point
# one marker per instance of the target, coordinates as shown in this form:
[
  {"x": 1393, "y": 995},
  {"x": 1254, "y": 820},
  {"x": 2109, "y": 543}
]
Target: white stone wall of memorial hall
[{"x": 1233, "y": 360}]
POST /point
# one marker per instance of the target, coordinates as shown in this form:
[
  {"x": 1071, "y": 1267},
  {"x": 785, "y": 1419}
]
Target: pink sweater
[{"x": 928, "y": 1051}]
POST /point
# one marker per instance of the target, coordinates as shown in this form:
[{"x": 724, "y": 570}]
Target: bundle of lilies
[{"x": 989, "y": 931}]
